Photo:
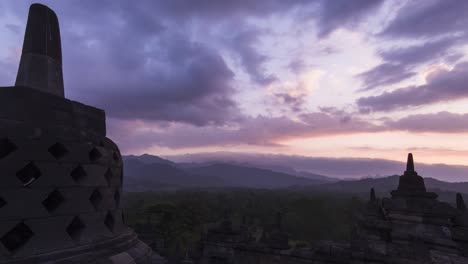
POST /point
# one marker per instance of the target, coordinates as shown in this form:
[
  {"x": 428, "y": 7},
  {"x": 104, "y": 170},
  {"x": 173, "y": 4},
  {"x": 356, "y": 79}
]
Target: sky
[{"x": 317, "y": 78}]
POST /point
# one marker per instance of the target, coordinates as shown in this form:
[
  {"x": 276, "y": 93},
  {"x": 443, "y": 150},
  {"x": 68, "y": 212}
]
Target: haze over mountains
[
  {"x": 342, "y": 168},
  {"x": 147, "y": 173},
  {"x": 153, "y": 173}
]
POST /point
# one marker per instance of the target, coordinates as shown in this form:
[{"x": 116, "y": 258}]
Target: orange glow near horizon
[{"x": 427, "y": 147}]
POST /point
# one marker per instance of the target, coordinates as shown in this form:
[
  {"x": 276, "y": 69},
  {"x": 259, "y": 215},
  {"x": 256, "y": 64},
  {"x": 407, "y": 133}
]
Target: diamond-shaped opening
[
  {"x": 78, "y": 174},
  {"x": 53, "y": 201},
  {"x": 6, "y": 147},
  {"x": 28, "y": 174},
  {"x": 108, "y": 175},
  {"x": 95, "y": 155},
  {"x": 109, "y": 221},
  {"x": 75, "y": 228},
  {"x": 117, "y": 198},
  {"x": 17, "y": 237},
  {"x": 2, "y": 202},
  {"x": 115, "y": 156},
  {"x": 58, "y": 150},
  {"x": 95, "y": 198}
]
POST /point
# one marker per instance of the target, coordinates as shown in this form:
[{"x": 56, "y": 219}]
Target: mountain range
[
  {"x": 342, "y": 168},
  {"x": 148, "y": 172},
  {"x": 153, "y": 173}
]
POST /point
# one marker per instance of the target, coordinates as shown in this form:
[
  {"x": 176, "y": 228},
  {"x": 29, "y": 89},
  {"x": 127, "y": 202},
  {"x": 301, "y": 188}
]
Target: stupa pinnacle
[
  {"x": 410, "y": 165},
  {"x": 460, "y": 203},
  {"x": 410, "y": 182},
  {"x": 41, "y": 60}
]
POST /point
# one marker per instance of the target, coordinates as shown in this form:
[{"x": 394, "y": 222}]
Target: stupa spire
[
  {"x": 410, "y": 164},
  {"x": 460, "y": 203},
  {"x": 410, "y": 183},
  {"x": 279, "y": 220},
  {"x": 372, "y": 195},
  {"x": 41, "y": 59}
]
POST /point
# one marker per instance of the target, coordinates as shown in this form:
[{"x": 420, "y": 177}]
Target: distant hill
[
  {"x": 147, "y": 172},
  {"x": 241, "y": 176},
  {"x": 384, "y": 185},
  {"x": 155, "y": 176},
  {"x": 343, "y": 168},
  {"x": 143, "y": 173},
  {"x": 149, "y": 159},
  {"x": 387, "y": 184},
  {"x": 281, "y": 169}
]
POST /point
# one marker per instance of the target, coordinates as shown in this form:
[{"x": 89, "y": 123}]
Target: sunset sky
[{"x": 319, "y": 78}]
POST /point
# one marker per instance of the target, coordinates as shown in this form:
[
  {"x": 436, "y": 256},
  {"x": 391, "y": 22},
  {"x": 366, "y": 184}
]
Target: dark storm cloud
[
  {"x": 123, "y": 59},
  {"x": 442, "y": 85},
  {"x": 177, "y": 81}
]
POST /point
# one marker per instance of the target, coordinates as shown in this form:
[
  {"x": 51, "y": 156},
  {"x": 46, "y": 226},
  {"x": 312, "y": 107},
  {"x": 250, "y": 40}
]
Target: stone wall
[{"x": 60, "y": 182}]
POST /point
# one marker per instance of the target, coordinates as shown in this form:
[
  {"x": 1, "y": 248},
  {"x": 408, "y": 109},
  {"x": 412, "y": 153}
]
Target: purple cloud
[
  {"x": 138, "y": 61},
  {"x": 439, "y": 24},
  {"x": 385, "y": 74},
  {"x": 418, "y": 19},
  {"x": 442, "y": 122},
  {"x": 442, "y": 85},
  {"x": 416, "y": 54},
  {"x": 258, "y": 131},
  {"x": 400, "y": 62},
  {"x": 243, "y": 44},
  {"x": 343, "y": 13},
  {"x": 295, "y": 103}
]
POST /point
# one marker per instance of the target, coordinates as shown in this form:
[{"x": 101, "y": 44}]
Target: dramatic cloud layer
[
  {"x": 428, "y": 19},
  {"x": 258, "y": 131},
  {"x": 183, "y": 75},
  {"x": 438, "y": 26},
  {"x": 441, "y": 85},
  {"x": 442, "y": 122},
  {"x": 400, "y": 62}
]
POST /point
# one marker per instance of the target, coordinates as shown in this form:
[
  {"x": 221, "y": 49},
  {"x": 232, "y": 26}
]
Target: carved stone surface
[{"x": 61, "y": 177}]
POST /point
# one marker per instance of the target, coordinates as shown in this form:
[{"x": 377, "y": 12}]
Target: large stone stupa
[{"x": 61, "y": 177}]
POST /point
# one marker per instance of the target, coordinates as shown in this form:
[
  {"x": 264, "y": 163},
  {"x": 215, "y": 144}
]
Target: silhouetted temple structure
[
  {"x": 61, "y": 178},
  {"x": 410, "y": 227}
]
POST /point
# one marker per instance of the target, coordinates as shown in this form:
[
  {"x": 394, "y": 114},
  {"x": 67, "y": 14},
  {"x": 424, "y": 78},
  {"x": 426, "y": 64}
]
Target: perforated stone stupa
[{"x": 61, "y": 177}]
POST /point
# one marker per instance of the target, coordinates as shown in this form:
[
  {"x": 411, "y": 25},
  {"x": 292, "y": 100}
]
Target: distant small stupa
[{"x": 410, "y": 183}]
